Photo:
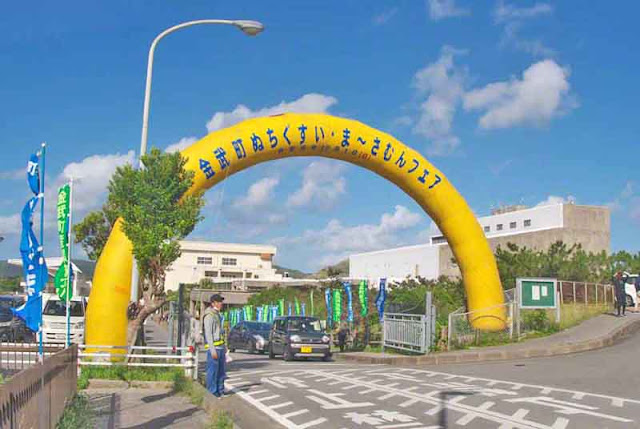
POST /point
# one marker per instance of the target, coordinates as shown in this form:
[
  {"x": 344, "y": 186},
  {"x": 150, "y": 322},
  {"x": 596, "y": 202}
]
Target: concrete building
[
  {"x": 81, "y": 286},
  {"x": 535, "y": 228},
  {"x": 222, "y": 263}
]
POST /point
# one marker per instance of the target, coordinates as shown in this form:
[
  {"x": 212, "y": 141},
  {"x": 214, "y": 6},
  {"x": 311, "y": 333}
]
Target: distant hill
[
  {"x": 8, "y": 270},
  {"x": 341, "y": 267},
  {"x": 295, "y": 274}
]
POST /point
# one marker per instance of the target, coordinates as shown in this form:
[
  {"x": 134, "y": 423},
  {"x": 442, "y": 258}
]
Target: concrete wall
[{"x": 396, "y": 264}]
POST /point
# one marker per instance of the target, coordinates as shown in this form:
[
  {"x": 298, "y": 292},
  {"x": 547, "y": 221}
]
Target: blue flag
[
  {"x": 30, "y": 312},
  {"x": 327, "y": 301},
  {"x": 347, "y": 290},
  {"x": 382, "y": 296},
  {"x": 290, "y": 310},
  {"x": 259, "y": 311},
  {"x": 33, "y": 174},
  {"x": 303, "y": 309}
]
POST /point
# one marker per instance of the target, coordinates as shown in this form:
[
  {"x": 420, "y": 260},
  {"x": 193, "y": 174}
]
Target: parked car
[
  {"x": 13, "y": 329},
  {"x": 631, "y": 290},
  {"x": 54, "y": 320},
  {"x": 299, "y": 336},
  {"x": 250, "y": 336}
]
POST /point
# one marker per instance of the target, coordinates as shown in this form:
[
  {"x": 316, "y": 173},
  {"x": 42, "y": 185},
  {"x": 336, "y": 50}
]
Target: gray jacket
[{"x": 213, "y": 331}]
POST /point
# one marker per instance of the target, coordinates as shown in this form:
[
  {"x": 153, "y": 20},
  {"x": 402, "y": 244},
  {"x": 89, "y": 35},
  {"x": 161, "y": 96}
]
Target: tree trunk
[{"x": 136, "y": 324}]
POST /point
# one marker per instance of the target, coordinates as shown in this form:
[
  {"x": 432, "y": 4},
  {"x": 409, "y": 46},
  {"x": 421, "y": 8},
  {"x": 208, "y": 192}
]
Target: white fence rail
[
  {"x": 410, "y": 332},
  {"x": 140, "y": 356}
]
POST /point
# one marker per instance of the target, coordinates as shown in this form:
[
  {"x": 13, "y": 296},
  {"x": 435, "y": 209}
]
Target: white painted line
[
  {"x": 284, "y": 404},
  {"x": 545, "y": 391},
  {"x": 435, "y": 410},
  {"x": 312, "y": 423},
  {"x": 521, "y": 413},
  {"x": 353, "y": 386},
  {"x": 578, "y": 396},
  {"x": 364, "y": 392},
  {"x": 267, "y": 398},
  {"x": 295, "y": 413},
  {"x": 401, "y": 425},
  {"x": 335, "y": 382},
  {"x": 273, "y": 383},
  {"x": 288, "y": 424},
  {"x": 560, "y": 423},
  {"x": 387, "y": 396},
  {"x": 257, "y": 392},
  {"x": 408, "y": 403},
  {"x": 617, "y": 402},
  {"x": 332, "y": 401}
]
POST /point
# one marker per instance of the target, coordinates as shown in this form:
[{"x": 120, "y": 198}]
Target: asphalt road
[{"x": 589, "y": 390}]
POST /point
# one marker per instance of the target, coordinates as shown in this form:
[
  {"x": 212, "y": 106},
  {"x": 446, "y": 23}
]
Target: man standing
[
  {"x": 214, "y": 344},
  {"x": 621, "y": 298}
]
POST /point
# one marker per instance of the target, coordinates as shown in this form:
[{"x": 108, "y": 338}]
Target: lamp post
[{"x": 250, "y": 28}]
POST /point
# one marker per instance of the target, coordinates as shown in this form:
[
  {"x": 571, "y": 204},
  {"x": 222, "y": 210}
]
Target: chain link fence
[{"x": 578, "y": 301}]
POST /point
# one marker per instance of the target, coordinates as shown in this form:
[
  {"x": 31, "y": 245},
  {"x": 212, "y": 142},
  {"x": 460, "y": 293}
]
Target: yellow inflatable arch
[{"x": 228, "y": 151}]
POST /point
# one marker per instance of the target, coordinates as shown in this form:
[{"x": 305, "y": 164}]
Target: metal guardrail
[
  {"x": 140, "y": 356},
  {"x": 15, "y": 357},
  {"x": 36, "y": 397},
  {"x": 410, "y": 332},
  {"x": 461, "y": 333}
]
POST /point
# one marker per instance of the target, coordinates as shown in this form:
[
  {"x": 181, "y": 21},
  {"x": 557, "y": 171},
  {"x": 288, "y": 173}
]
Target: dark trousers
[{"x": 216, "y": 372}]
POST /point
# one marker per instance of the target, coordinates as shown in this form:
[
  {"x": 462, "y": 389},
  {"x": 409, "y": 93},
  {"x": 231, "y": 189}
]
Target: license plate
[{"x": 306, "y": 349}]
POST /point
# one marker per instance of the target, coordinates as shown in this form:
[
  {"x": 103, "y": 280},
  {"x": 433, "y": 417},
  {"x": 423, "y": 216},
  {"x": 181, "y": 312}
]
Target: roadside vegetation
[
  {"x": 78, "y": 414},
  {"x": 127, "y": 374}
]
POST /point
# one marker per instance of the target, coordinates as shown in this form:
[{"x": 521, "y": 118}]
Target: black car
[
  {"x": 299, "y": 336},
  {"x": 250, "y": 336},
  {"x": 12, "y": 329}
]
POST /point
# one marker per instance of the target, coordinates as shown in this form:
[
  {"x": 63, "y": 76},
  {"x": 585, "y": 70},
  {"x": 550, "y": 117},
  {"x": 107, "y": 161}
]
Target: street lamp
[{"x": 250, "y": 28}]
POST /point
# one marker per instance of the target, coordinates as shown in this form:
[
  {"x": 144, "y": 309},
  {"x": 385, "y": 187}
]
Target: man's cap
[{"x": 216, "y": 297}]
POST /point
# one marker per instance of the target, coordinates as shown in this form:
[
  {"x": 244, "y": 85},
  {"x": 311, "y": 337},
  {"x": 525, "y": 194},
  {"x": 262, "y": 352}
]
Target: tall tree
[
  {"x": 92, "y": 233},
  {"x": 157, "y": 213}
]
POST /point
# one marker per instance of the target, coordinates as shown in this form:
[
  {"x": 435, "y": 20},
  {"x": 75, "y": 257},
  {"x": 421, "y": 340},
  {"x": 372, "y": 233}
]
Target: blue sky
[{"x": 517, "y": 102}]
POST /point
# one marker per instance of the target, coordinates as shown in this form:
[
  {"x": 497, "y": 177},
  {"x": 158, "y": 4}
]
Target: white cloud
[
  {"x": 308, "y": 103},
  {"x": 554, "y": 199},
  {"x": 385, "y": 16},
  {"x": 91, "y": 177},
  {"x": 541, "y": 94},
  {"x": 443, "y": 83},
  {"x": 10, "y": 224},
  {"x": 506, "y": 12},
  {"x": 440, "y": 9},
  {"x": 181, "y": 144},
  {"x": 260, "y": 194},
  {"x": 338, "y": 239},
  {"x": 20, "y": 173},
  {"x": 623, "y": 198},
  {"x": 322, "y": 185},
  {"x": 513, "y": 17}
]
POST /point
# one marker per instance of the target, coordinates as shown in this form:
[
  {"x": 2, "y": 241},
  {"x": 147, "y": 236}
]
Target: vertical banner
[
  {"x": 274, "y": 312},
  {"x": 363, "y": 292},
  {"x": 259, "y": 314},
  {"x": 337, "y": 305},
  {"x": 290, "y": 309},
  {"x": 62, "y": 281},
  {"x": 33, "y": 264},
  {"x": 327, "y": 301},
  {"x": 297, "y": 305},
  {"x": 347, "y": 291},
  {"x": 265, "y": 313},
  {"x": 303, "y": 309},
  {"x": 381, "y": 298},
  {"x": 311, "y": 302},
  {"x": 281, "y": 306}
]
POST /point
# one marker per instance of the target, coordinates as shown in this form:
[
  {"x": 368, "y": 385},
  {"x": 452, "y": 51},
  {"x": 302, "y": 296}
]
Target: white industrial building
[
  {"x": 222, "y": 263},
  {"x": 536, "y": 228}
]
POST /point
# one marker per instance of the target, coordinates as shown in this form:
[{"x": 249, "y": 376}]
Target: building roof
[
  {"x": 52, "y": 263},
  {"x": 210, "y": 246}
]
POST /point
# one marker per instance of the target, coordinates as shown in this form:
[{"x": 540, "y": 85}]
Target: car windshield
[
  {"x": 257, "y": 326},
  {"x": 304, "y": 325},
  {"x": 58, "y": 308}
]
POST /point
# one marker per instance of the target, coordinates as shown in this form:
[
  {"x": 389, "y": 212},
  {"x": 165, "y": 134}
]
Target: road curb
[{"x": 613, "y": 337}]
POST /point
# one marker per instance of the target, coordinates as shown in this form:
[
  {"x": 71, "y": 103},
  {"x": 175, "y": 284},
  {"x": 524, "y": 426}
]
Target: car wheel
[
  {"x": 271, "y": 354},
  {"x": 326, "y": 358},
  {"x": 629, "y": 301},
  {"x": 287, "y": 355},
  {"x": 232, "y": 349}
]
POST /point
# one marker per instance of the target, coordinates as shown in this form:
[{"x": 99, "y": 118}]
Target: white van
[
  {"x": 631, "y": 291},
  {"x": 54, "y": 320}
]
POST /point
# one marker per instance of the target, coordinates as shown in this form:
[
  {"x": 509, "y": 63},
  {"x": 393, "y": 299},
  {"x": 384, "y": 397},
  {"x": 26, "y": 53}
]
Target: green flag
[
  {"x": 337, "y": 305},
  {"x": 297, "y": 304},
  {"x": 61, "y": 280},
  {"x": 311, "y": 303},
  {"x": 281, "y": 306},
  {"x": 364, "y": 298}
]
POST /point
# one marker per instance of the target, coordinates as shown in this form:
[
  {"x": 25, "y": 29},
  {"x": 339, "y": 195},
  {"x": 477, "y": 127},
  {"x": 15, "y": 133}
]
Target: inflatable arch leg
[{"x": 228, "y": 151}]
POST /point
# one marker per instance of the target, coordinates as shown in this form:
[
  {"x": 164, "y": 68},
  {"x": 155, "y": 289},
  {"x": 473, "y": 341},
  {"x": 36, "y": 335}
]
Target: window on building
[
  {"x": 231, "y": 275},
  {"x": 229, "y": 261},
  {"x": 211, "y": 274},
  {"x": 439, "y": 239},
  {"x": 204, "y": 260},
  {"x": 527, "y": 222},
  {"x": 248, "y": 275},
  {"x": 487, "y": 229},
  {"x": 499, "y": 227},
  {"x": 513, "y": 225}
]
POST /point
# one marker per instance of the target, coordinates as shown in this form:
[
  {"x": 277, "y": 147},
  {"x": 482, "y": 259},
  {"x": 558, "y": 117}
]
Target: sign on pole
[
  {"x": 62, "y": 281},
  {"x": 537, "y": 293}
]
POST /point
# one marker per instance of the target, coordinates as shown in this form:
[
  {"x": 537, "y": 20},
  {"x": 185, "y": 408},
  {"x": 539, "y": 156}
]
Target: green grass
[
  {"x": 127, "y": 374},
  {"x": 185, "y": 386},
  {"x": 574, "y": 314},
  {"x": 221, "y": 420},
  {"x": 77, "y": 415}
]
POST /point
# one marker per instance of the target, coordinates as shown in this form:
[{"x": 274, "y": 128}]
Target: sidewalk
[
  {"x": 601, "y": 331},
  {"x": 134, "y": 408}
]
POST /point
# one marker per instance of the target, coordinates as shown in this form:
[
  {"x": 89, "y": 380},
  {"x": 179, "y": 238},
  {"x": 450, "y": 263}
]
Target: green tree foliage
[
  {"x": 157, "y": 213},
  {"x": 93, "y": 231}
]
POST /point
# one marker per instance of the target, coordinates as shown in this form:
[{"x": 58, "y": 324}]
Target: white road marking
[
  {"x": 273, "y": 383},
  {"x": 333, "y": 401},
  {"x": 267, "y": 398},
  {"x": 295, "y": 413},
  {"x": 401, "y": 425},
  {"x": 578, "y": 396},
  {"x": 282, "y": 405},
  {"x": 408, "y": 403},
  {"x": 352, "y": 386},
  {"x": 257, "y": 392},
  {"x": 312, "y": 423},
  {"x": 570, "y": 408}
]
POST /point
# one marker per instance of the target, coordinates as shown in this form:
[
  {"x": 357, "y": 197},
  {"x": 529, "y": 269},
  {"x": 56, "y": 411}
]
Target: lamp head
[{"x": 250, "y": 28}]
